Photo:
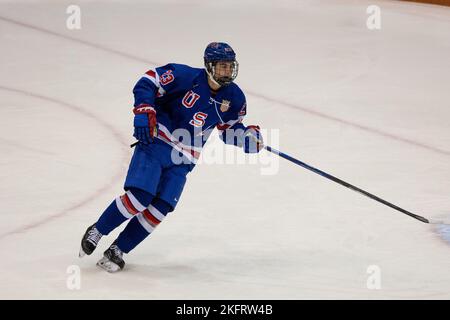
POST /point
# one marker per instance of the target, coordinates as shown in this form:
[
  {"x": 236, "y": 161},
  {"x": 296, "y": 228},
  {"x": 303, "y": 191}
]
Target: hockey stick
[
  {"x": 354, "y": 188},
  {"x": 348, "y": 185}
]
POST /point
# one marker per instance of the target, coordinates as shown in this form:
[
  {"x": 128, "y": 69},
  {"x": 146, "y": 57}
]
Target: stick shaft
[
  {"x": 134, "y": 144},
  {"x": 345, "y": 184}
]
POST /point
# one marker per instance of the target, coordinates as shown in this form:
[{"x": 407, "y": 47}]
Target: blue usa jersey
[{"x": 186, "y": 109}]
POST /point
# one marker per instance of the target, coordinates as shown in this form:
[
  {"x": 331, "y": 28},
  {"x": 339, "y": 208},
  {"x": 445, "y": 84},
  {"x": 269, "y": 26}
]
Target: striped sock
[
  {"x": 142, "y": 225},
  {"x": 122, "y": 208},
  {"x": 110, "y": 219}
]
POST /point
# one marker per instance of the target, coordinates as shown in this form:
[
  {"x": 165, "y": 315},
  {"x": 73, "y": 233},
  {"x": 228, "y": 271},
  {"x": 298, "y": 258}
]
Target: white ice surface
[{"x": 371, "y": 107}]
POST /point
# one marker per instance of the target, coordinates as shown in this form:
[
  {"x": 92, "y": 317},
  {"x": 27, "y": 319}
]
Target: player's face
[
  {"x": 224, "y": 69},
  {"x": 223, "y": 72}
]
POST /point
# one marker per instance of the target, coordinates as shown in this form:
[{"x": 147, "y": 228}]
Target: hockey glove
[
  {"x": 253, "y": 141},
  {"x": 145, "y": 127}
]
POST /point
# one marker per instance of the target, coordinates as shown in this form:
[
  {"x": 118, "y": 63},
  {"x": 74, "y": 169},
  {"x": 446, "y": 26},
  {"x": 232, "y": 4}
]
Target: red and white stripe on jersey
[
  {"x": 153, "y": 76},
  {"x": 243, "y": 110},
  {"x": 128, "y": 205},
  {"x": 190, "y": 152},
  {"x": 150, "y": 218},
  {"x": 229, "y": 124}
]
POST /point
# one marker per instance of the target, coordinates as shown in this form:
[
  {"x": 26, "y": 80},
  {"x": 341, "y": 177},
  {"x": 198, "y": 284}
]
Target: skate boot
[
  {"x": 112, "y": 259},
  {"x": 90, "y": 240}
]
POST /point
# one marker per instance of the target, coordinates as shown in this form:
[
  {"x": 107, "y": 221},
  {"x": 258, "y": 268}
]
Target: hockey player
[{"x": 176, "y": 108}]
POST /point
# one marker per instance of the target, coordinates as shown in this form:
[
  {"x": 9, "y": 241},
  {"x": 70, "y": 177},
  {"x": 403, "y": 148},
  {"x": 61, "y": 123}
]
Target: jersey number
[
  {"x": 199, "y": 119},
  {"x": 166, "y": 77}
]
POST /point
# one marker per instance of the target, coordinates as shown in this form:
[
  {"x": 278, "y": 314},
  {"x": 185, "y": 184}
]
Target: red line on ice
[{"x": 95, "y": 194}]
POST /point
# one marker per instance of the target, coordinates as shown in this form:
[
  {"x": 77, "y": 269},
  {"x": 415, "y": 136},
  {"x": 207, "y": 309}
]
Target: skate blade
[
  {"x": 81, "y": 254},
  {"x": 108, "y": 265}
]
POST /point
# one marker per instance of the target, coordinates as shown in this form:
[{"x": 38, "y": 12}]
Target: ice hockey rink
[{"x": 370, "y": 106}]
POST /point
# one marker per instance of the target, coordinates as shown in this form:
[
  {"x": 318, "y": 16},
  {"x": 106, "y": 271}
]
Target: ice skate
[
  {"x": 90, "y": 240},
  {"x": 112, "y": 259}
]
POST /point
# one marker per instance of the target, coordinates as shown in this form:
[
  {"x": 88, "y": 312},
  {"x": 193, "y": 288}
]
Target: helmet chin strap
[{"x": 210, "y": 76}]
